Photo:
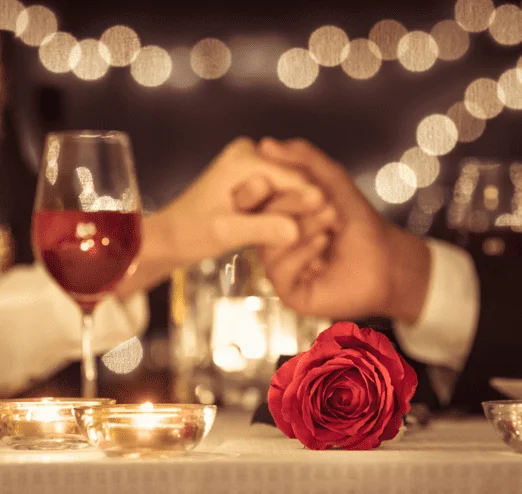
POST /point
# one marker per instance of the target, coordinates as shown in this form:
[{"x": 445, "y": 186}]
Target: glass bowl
[
  {"x": 506, "y": 418},
  {"x": 44, "y": 423},
  {"x": 138, "y": 431}
]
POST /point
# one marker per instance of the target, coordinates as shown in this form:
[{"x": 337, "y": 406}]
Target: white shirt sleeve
[
  {"x": 444, "y": 333},
  {"x": 40, "y": 326}
]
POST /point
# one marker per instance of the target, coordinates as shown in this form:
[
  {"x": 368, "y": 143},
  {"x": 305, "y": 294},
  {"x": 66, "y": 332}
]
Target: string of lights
[{"x": 298, "y": 68}]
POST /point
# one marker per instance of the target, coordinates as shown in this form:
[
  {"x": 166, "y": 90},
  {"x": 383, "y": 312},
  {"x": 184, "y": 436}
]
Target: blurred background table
[{"x": 448, "y": 456}]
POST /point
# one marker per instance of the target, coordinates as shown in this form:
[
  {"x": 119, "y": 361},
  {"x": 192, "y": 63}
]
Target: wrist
[
  {"x": 163, "y": 236},
  {"x": 410, "y": 274}
]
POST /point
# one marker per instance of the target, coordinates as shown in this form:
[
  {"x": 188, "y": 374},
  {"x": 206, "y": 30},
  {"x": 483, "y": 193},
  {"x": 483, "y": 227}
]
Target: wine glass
[
  {"x": 87, "y": 222},
  {"x": 485, "y": 211}
]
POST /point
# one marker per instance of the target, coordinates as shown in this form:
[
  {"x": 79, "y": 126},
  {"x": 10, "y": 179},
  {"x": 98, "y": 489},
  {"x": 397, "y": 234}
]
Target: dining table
[{"x": 460, "y": 455}]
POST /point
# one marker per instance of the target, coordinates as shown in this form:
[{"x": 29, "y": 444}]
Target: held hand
[
  {"x": 219, "y": 211},
  {"x": 363, "y": 267}
]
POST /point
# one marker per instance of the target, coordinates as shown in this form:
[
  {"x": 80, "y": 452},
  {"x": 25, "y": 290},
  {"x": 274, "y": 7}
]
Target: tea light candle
[
  {"x": 47, "y": 423},
  {"x": 147, "y": 429}
]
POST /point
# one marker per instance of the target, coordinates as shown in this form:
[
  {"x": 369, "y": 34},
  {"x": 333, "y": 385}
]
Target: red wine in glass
[
  {"x": 86, "y": 222},
  {"x": 87, "y": 253}
]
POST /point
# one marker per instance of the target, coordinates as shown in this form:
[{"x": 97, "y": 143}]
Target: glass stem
[{"x": 89, "y": 370}]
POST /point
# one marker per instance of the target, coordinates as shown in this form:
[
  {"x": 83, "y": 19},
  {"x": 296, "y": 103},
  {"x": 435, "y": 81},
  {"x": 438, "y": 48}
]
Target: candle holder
[
  {"x": 146, "y": 431},
  {"x": 44, "y": 423}
]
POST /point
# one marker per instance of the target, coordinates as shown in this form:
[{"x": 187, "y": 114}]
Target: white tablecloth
[{"x": 459, "y": 456}]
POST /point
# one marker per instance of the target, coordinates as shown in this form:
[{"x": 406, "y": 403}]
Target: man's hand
[{"x": 363, "y": 267}]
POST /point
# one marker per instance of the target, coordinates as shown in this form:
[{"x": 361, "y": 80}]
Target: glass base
[
  {"x": 63, "y": 442},
  {"x": 147, "y": 453}
]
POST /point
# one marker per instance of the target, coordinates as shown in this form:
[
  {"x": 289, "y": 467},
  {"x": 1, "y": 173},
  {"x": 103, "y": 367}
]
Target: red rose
[{"x": 350, "y": 390}]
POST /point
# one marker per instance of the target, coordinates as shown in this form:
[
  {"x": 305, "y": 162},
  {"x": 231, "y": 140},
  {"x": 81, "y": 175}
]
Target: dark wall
[{"x": 175, "y": 133}]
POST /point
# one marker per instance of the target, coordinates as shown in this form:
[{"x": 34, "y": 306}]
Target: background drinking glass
[
  {"x": 86, "y": 222},
  {"x": 228, "y": 331},
  {"x": 485, "y": 210}
]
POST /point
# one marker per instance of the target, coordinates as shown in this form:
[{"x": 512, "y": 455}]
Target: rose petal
[
  {"x": 278, "y": 385},
  {"x": 409, "y": 384},
  {"x": 382, "y": 402},
  {"x": 357, "y": 386},
  {"x": 349, "y": 335},
  {"x": 360, "y": 443},
  {"x": 383, "y": 412},
  {"x": 285, "y": 374},
  {"x": 308, "y": 391},
  {"x": 351, "y": 424},
  {"x": 393, "y": 427}
]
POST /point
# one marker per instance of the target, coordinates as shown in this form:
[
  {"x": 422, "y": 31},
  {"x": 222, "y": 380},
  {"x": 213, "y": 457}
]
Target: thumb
[{"x": 241, "y": 230}]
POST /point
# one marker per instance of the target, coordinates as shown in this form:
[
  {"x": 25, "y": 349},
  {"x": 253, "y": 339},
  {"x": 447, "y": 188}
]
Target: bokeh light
[
  {"x": 55, "y": 52},
  {"x": 86, "y": 60},
  {"x": 182, "y": 76},
  {"x": 417, "y": 51},
  {"x": 386, "y": 35},
  {"x": 125, "y": 358},
  {"x": 365, "y": 182},
  {"x": 506, "y": 26},
  {"x": 123, "y": 45},
  {"x": 53, "y": 152},
  {"x": 481, "y": 99},
  {"x": 469, "y": 127},
  {"x": 479, "y": 221},
  {"x": 494, "y": 246},
  {"x": 510, "y": 89},
  {"x": 437, "y": 135},
  {"x": 254, "y": 58},
  {"x": 491, "y": 197},
  {"x": 297, "y": 69},
  {"x": 364, "y": 59},
  {"x": 515, "y": 174},
  {"x": 9, "y": 12},
  {"x": 152, "y": 67},
  {"x": 210, "y": 58},
  {"x": 395, "y": 183},
  {"x": 453, "y": 42},
  {"x": 34, "y": 24},
  {"x": 474, "y": 16},
  {"x": 431, "y": 199},
  {"x": 419, "y": 223},
  {"x": 464, "y": 187},
  {"x": 426, "y": 167},
  {"x": 329, "y": 46}
]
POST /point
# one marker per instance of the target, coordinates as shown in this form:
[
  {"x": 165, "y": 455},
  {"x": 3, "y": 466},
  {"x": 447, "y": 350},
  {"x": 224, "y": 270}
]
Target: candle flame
[
  {"x": 147, "y": 407},
  {"x": 44, "y": 414},
  {"x": 146, "y": 420}
]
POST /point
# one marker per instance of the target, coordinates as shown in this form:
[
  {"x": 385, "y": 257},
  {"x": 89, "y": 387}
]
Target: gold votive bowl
[
  {"x": 146, "y": 431},
  {"x": 506, "y": 418},
  {"x": 44, "y": 423}
]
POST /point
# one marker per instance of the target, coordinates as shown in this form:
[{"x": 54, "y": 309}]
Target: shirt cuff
[
  {"x": 41, "y": 326},
  {"x": 444, "y": 332}
]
